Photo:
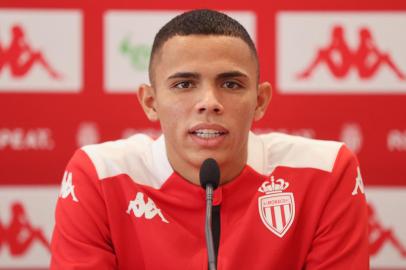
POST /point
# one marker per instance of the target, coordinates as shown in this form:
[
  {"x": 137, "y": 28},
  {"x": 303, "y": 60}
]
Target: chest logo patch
[
  {"x": 142, "y": 208},
  {"x": 276, "y": 208}
]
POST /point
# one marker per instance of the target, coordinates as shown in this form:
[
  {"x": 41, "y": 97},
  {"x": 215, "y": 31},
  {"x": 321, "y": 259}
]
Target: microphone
[{"x": 209, "y": 180}]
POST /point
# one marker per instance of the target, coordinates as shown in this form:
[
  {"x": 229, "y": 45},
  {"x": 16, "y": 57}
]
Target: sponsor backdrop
[{"x": 69, "y": 72}]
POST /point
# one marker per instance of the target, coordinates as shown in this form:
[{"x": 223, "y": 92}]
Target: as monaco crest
[{"x": 276, "y": 208}]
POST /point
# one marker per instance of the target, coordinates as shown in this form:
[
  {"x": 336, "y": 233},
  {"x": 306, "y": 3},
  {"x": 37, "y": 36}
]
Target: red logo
[
  {"x": 20, "y": 57},
  {"x": 366, "y": 59},
  {"x": 379, "y": 235},
  {"x": 20, "y": 234}
]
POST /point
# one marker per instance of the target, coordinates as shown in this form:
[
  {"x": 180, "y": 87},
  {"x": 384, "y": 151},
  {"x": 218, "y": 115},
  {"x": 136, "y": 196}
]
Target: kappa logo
[
  {"x": 340, "y": 52},
  {"x": 379, "y": 235},
  {"x": 147, "y": 209},
  {"x": 359, "y": 184},
  {"x": 276, "y": 208},
  {"x": 20, "y": 234},
  {"x": 20, "y": 57},
  {"x": 338, "y": 57},
  {"x": 31, "y": 61},
  {"x": 67, "y": 187}
]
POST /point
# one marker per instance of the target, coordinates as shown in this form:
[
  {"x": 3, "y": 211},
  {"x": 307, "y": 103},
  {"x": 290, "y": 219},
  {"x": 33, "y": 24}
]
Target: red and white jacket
[{"x": 297, "y": 204}]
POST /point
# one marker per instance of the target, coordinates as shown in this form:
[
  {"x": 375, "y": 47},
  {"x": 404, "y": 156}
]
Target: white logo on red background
[
  {"x": 387, "y": 227},
  {"x": 341, "y": 52},
  {"x": 26, "y": 224},
  {"x": 40, "y": 51},
  {"x": 67, "y": 187},
  {"x": 147, "y": 209},
  {"x": 359, "y": 184},
  {"x": 276, "y": 208},
  {"x": 128, "y": 41}
]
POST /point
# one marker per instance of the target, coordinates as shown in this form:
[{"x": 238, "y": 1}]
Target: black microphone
[{"x": 209, "y": 180}]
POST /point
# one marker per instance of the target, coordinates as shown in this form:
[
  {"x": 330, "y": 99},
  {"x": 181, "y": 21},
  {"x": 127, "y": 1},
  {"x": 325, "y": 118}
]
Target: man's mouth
[{"x": 207, "y": 133}]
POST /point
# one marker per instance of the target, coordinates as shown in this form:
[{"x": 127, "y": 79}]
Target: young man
[{"x": 283, "y": 202}]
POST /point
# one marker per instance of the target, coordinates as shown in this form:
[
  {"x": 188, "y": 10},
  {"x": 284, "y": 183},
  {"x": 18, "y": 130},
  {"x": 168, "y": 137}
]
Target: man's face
[{"x": 206, "y": 98}]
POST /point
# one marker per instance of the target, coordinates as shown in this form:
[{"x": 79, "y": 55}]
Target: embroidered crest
[{"x": 276, "y": 208}]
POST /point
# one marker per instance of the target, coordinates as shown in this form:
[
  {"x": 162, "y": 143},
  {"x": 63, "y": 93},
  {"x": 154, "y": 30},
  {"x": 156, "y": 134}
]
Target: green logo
[{"x": 138, "y": 54}]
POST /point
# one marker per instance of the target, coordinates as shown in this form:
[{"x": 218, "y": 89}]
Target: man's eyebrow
[
  {"x": 185, "y": 75},
  {"x": 231, "y": 74}
]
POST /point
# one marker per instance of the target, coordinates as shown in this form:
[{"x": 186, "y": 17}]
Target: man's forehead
[{"x": 178, "y": 48}]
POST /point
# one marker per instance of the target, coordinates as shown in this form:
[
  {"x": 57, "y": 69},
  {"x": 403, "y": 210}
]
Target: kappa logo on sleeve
[
  {"x": 67, "y": 187},
  {"x": 359, "y": 184},
  {"x": 276, "y": 208},
  {"x": 147, "y": 209}
]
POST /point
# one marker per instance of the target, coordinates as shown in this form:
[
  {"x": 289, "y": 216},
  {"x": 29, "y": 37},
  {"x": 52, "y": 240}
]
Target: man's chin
[{"x": 201, "y": 156}]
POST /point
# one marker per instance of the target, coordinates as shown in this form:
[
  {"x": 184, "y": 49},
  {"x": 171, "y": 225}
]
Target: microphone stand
[{"x": 208, "y": 232}]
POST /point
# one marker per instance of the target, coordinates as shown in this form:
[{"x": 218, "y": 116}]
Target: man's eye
[
  {"x": 231, "y": 85},
  {"x": 183, "y": 85}
]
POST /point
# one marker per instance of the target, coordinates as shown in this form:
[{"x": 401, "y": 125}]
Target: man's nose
[{"x": 210, "y": 101}]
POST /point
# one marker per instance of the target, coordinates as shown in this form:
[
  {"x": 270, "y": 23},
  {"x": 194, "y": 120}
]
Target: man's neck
[{"x": 229, "y": 170}]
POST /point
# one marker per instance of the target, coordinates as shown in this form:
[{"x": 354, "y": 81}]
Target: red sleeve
[
  {"x": 341, "y": 240},
  {"x": 81, "y": 237}
]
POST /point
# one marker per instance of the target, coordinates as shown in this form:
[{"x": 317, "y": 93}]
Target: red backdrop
[{"x": 69, "y": 71}]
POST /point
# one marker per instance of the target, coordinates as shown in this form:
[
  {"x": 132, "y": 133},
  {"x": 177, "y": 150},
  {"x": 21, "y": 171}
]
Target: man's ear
[
  {"x": 147, "y": 99},
  {"x": 263, "y": 99}
]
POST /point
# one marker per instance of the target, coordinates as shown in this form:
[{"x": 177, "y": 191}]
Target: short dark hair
[{"x": 200, "y": 22}]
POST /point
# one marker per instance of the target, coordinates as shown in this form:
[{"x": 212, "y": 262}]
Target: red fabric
[{"x": 329, "y": 230}]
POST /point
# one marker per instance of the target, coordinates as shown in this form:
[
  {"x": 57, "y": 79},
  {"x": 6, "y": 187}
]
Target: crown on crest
[{"x": 273, "y": 186}]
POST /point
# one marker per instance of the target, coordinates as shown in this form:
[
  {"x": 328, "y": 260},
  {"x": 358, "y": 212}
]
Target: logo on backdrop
[
  {"x": 20, "y": 57},
  {"x": 19, "y": 139},
  {"x": 19, "y": 235},
  {"x": 40, "y": 50},
  {"x": 276, "y": 208},
  {"x": 88, "y": 133},
  {"x": 379, "y": 235},
  {"x": 396, "y": 140},
  {"x": 341, "y": 52},
  {"x": 128, "y": 38},
  {"x": 351, "y": 135},
  {"x": 137, "y": 54},
  {"x": 339, "y": 58}
]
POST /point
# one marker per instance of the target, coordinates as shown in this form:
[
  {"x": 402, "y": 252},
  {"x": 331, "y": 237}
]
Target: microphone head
[{"x": 209, "y": 173}]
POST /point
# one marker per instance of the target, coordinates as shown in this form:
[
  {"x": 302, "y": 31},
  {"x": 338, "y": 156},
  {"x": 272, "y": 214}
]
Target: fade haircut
[{"x": 200, "y": 22}]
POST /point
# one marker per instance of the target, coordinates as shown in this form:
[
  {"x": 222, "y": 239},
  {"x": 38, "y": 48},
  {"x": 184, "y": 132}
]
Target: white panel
[
  {"x": 301, "y": 35},
  {"x": 56, "y": 35},
  {"x": 38, "y": 205},
  {"x": 389, "y": 212}
]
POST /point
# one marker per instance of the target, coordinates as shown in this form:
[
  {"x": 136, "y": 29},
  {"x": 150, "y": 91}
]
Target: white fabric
[{"x": 145, "y": 160}]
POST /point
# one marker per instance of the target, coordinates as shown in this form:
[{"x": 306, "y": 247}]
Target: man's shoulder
[
  {"x": 280, "y": 149},
  {"x": 136, "y": 156}
]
